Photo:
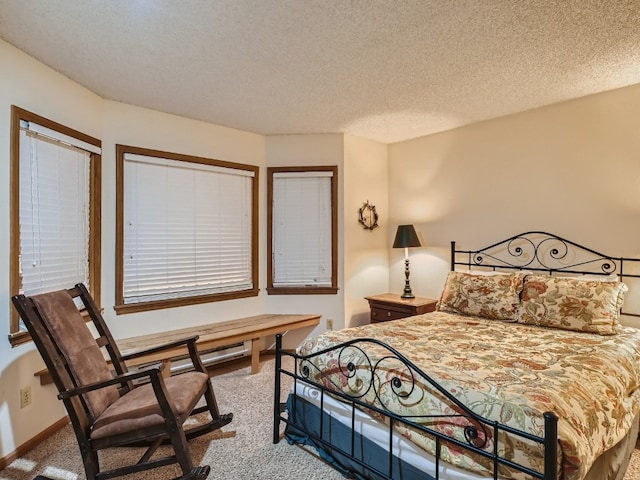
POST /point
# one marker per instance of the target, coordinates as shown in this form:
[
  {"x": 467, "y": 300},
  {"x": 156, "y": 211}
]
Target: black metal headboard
[{"x": 545, "y": 252}]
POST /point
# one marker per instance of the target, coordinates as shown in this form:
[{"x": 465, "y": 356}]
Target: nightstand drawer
[{"x": 382, "y": 315}]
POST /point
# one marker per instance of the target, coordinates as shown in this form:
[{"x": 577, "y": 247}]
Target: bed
[{"x": 525, "y": 371}]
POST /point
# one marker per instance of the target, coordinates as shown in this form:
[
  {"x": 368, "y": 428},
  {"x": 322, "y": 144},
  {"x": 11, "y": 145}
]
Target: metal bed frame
[
  {"x": 543, "y": 252},
  {"x": 532, "y": 251}
]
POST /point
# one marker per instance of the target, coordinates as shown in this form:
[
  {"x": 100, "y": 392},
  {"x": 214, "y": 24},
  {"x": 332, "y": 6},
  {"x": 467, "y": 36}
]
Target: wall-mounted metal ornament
[{"x": 367, "y": 216}]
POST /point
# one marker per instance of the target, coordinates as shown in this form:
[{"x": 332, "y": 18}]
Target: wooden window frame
[
  {"x": 303, "y": 290},
  {"x": 122, "y": 308},
  {"x": 17, "y": 336}
]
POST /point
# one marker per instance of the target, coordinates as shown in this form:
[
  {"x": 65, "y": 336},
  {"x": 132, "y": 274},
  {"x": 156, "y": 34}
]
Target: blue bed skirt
[{"x": 378, "y": 464}]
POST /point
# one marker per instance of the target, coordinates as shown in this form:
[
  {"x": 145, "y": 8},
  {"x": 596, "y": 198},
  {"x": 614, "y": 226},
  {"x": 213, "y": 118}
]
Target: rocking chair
[{"x": 112, "y": 409}]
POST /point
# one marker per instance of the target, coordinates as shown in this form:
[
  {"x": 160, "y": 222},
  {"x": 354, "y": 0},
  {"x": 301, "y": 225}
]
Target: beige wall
[
  {"x": 30, "y": 85},
  {"x": 572, "y": 169},
  {"x": 363, "y": 255},
  {"x": 129, "y": 125},
  {"x": 310, "y": 150},
  {"x": 366, "y": 252}
]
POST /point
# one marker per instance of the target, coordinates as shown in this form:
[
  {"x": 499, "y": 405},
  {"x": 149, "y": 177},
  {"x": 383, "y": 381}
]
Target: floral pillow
[
  {"x": 572, "y": 304},
  {"x": 495, "y": 296}
]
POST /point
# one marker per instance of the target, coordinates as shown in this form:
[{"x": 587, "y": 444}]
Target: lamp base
[{"x": 407, "y": 286}]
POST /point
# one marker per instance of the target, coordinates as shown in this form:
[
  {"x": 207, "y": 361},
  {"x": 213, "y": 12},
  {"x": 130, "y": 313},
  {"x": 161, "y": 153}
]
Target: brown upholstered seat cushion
[{"x": 139, "y": 408}]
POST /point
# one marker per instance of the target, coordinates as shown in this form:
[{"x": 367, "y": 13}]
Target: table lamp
[{"x": 406, "y": 237}]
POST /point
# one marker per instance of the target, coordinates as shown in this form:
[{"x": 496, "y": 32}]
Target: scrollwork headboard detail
[{"x": 544, "y": 252}]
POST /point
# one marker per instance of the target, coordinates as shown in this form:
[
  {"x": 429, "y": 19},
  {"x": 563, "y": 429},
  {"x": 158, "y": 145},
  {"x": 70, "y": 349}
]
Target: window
[
  {"x": 55, "y": 209},
  {"x": 186, "y": 230},
  {"x": 302, "y": 230}
]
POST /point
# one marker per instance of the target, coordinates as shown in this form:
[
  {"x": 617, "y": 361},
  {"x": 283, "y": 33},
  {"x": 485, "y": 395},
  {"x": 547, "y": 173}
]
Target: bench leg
[
  {"x": 166, "y": 371},
  {"x": 255, "y": 355}
]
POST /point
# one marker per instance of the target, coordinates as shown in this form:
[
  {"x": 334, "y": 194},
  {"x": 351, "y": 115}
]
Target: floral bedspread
[{"x": 507, "y": 372}]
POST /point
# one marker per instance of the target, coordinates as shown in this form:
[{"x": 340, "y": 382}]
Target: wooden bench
[
  {"x": 210, "y": 336},
  {"x": 217, "y": 335}
]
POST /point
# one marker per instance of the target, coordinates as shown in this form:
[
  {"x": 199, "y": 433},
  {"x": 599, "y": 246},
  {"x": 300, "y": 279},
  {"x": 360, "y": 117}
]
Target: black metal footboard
[{"x": 390, "y": 370}]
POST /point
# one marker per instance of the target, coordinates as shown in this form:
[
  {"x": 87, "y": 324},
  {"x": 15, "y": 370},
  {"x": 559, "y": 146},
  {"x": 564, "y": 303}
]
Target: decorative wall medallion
[{"x": 368, "y": 216}]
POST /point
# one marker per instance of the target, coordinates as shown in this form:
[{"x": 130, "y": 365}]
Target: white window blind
[
  {"x": 302, "y": 229},
  {"x": 54, "y": 212},
  {"x": 187, "y": 229}
]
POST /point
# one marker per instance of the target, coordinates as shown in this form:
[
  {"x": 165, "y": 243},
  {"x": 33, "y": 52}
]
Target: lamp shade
[{"x": 406, "y": 236}]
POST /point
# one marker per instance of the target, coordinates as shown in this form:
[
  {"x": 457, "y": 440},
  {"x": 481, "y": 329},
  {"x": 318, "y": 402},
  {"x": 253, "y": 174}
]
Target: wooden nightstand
[{"x": 391, "y": 306}]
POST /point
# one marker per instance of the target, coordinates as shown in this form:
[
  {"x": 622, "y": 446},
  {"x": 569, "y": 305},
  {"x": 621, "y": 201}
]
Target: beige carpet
[{"x": 242, "y": 451}]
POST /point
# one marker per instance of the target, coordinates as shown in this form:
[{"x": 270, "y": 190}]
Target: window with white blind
[
  {"x": 55, "y": 209},
  {"x": 186, "y": 229},
  {"x": 302, "y": 236}
]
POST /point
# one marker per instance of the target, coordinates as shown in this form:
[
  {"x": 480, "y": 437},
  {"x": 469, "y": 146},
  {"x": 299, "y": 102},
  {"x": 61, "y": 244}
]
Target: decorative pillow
[
  {"x": 495, "y": 296},
  {"x": 572, "y": 304}
]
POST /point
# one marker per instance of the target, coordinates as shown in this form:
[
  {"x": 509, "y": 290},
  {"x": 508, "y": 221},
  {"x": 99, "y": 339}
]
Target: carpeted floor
[
  {"x": 633, "y": 472},
  {"x": 242, "y": 451}
]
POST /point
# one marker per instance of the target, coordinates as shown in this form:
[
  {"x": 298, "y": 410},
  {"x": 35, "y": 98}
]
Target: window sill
[
  {"x": 19, "y": 338},
  {"x": 181, "y": 302},
  {"x": 302, "y": 290}
]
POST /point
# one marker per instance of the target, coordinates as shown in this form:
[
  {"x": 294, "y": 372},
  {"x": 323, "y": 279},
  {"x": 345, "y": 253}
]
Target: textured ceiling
[{"x": 388, "y": 70}]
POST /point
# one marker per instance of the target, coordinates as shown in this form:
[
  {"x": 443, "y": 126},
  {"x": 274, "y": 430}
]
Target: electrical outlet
[
  {"x": 25, "y": 397},
  {"x": 329, "y": 323}
]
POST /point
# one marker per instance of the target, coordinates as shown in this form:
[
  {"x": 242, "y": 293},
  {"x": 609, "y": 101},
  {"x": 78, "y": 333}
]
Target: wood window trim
[
  {"x": 122, "y": 308},
  {"x": 17, "y": 337},
  {"x": 333, "y": 289}
]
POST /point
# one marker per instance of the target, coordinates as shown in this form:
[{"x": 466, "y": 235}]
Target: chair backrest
[{"x": 69, "y": 349}]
